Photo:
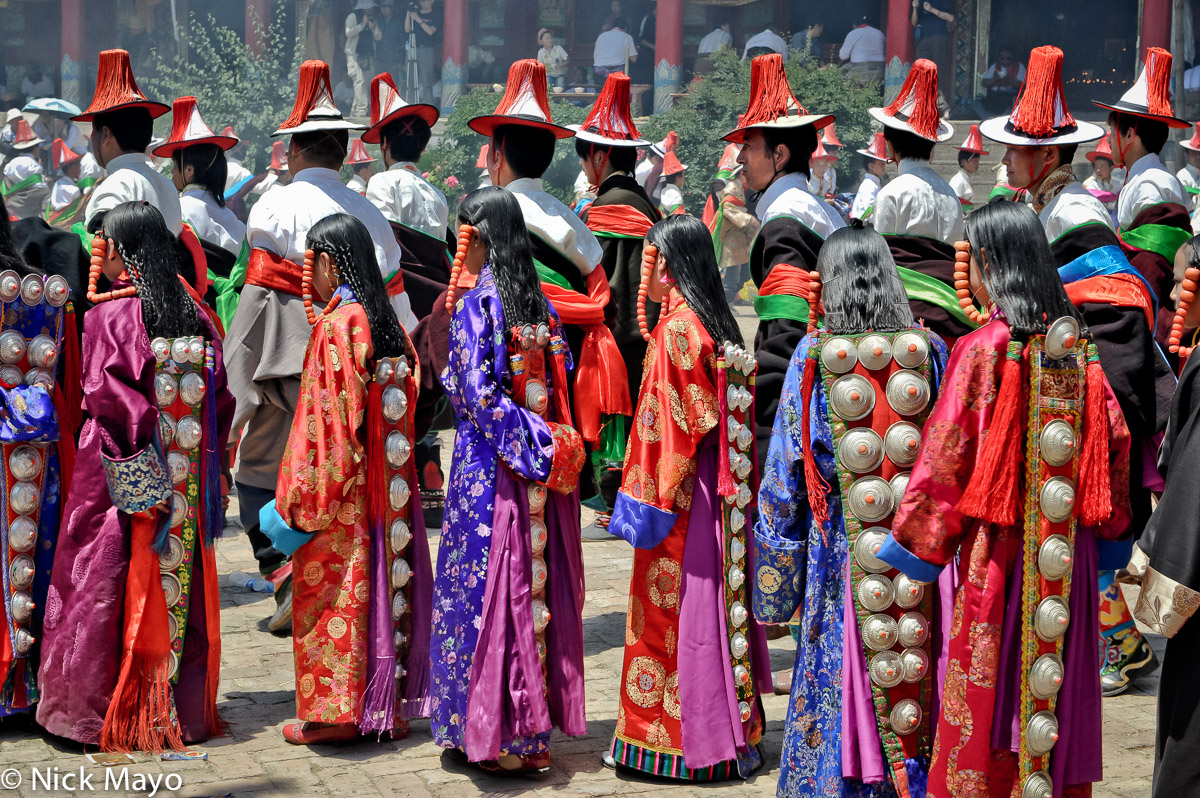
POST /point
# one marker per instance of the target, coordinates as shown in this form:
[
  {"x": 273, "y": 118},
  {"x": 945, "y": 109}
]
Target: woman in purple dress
[
  {"x": 507, "y": 635},
  {"x": 132, "y": 630}
]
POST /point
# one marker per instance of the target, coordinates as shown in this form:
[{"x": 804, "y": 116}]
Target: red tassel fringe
[
  {"x": 613, "y": 107},
  {"x": 771, "y": 95},
  {"x": 314, "y": 75},
  {"x": 921, "y": 87},
  {"x": 1096, "y": 505},
  {"x": 1041, "y": 95},
  {"x": 1158, "y": 82},
  {"x": 525, "y": 76},
  {"x": 994, "y": 491},
  {"x": 115, "y": 84},
  {"x": 562, "y": 404},
  {"x": 815, "y": 484}
]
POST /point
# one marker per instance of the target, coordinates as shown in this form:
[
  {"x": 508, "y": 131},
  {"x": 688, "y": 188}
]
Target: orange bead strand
[
  {"x": 649, "y": 259},
  {"x": 465, "y": 234},
  {"x": 814, "y": 299},
  {"x": 306, "y": 284},
  {"x": 962, "y": 283},
  {"x": 1187, "y": 295},
  {"x": 99, "y": 252}
]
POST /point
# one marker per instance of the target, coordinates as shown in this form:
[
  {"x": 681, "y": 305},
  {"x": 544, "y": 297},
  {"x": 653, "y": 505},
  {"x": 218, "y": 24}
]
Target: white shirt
[
  {"x": 553, "y": 60},
  {"x": 1147, "y": 183},
  {"x": 961, "y": 183},
  {"x": 555, "y": 223},
  {"x": 89, "y": 167},
  {"x": 990, "y": 74},
  {"x": 354, "y": 28},
  {"x": 918, "y": 202},
  {"x": 235, "y": 175},
  {"x": 715, "y": 41},
  {"x": 864, "y": 198},
  {"x": 826, "y": 185},
  {"x": 768, "y": 39},
  {"x": 358, "y": 184},
  {"x": 132, "y": 178},
  {"x": 1189, "y": 177},
  {"x": 212, "y": 223},
  {"x": 1191, "y": 79},
  {"x": 22, "y": 167},
  {"x": 63, "y": 193},
  {"x": 1073, "y": 206},
  {"x": 672, "y": 198},
  {"x": 74, "y": 139},
  {"x": 789, "y": 196},
  {"x": 612, "y": 47},
  {"x": 406, "y": 198},
  {"x": 43, "y": 88},
  {"x": 279, "y": 223},
  {"x": 864, "y": 43}
]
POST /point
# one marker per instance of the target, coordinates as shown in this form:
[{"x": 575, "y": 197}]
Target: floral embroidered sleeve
[
  {"x": 475, "y": 378},
  {"x": 325, "y": 460},
  {"x": 677, "y": 408}
]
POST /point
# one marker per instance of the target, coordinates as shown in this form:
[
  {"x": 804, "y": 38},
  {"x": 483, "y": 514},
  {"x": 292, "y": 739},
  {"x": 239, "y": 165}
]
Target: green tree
[{"x": 233, "y": 85}]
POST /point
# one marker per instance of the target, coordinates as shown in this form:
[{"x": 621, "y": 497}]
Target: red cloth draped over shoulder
[
  {"x": 786, "y": 280},
  {"x": 1123, "y": 290},
  {"x": 622, "y": 220}
]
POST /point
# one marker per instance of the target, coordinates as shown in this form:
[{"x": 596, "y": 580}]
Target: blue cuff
[
  {"x": 908, "y": 563},
  {"x": 642, "y": 525},
  {"x": 139, "y": 482},
  {"x": 779, "y": 577},
  {"x": 285, "y": 539}
]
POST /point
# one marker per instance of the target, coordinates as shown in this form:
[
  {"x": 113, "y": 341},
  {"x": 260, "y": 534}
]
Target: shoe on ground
[
  {"x": 320, "y": 733},
  {"x": 281, "y": 621},
  {"x": 1136, "y": 659}
]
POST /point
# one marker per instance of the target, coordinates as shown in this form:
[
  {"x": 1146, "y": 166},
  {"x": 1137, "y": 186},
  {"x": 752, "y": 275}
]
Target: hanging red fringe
[
  {"x": 115, "y": 84},
  {"x": 1096, "y": 505},
  {"x": 526, "y": 76},
  {"x": 217, "y": 725},
  {"x": 920, "y": 88},
  {"x": 994, "y": 491},
  {"x": 770, "y": 93},
  {"x": 814, "y": 483},
  {"x": 562, "y": 404},
  {"x": 1158, "y": 82},
  {"x": 314, "y": 76},
  {"x": 611, "y": 115},
  {"x": 1036, "y": 109}
]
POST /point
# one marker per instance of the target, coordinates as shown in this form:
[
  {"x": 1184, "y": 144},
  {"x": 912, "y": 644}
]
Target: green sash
[
  {"x": 1002, "y": 191},
  {"x": 548, "y": 275},
  {"x": 227, "y": 288},
  {"x": 933, "y": 291},
  {"x": 1162, "y": 239},
  {"x": 85, "y": 183},
  {"x": 85, "y": 238},
  {"x": 781, "y": 306},
  {"x": 29, "y": 182},
  {"x": 52, "y": 216}
]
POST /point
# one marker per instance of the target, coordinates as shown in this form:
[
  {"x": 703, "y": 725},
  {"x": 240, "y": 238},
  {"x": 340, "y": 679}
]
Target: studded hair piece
[
  {"x": 962, "y": 283},
  {"x": 1187, "y": 295},
  {"x": 99, "y": 251},
  {"x": 649, "y": 259},
  {"x": 465, "y": 234},
  {"x": 814, "y": 299}
]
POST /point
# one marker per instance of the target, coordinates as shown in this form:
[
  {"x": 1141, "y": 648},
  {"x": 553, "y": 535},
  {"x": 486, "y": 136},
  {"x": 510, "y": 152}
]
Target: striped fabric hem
[{"x": 671, "y": 766}]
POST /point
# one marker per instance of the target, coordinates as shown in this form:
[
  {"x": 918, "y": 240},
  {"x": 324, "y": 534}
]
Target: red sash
[
  {"x": 1122, "y": 290},
  {"x": 786, "y": 280},
  {"x": 624, "y": 220},
  {"x": 395, "y": 286},
  {"x": 199, "y": 260},
  {"x": 268, "y": 270}
]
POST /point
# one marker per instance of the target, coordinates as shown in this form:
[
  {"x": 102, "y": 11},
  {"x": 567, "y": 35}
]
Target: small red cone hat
[
  {"x": 611, "y": 120},
  {"x": 672, "y": 164},
  {"x": 314, "y": 109},
  {"x": 829, "y": 134},
  {"x": 878, "y": 148},
  {"x": 61, "y": 155},
  {"x": 772, "y": 103},
  {"x": 1194, "y": 143},
  {"x": 973, "y": 142},
  {"x": 662, "y": 147},
  {"x": 525, "y": 102},
  {"x": 25, "y": 138},
  {"x": 387, "y": 106},
  {"x": 821, "y": 154},
  {"x": 278, "y": 156},
  {"x": 915, "y": 108},
  {"x": 481, "y": 161},
  {"x": 1040, "y": 115},
  {"x": 228, "y": 131},
  {"x": 116, "y": 88},
  {"x": 1104, "y": 150},
  {"x": 188, "y": 129},
  {"x": 358, "y": 153},
  {"x": 1150, "y": 94}
]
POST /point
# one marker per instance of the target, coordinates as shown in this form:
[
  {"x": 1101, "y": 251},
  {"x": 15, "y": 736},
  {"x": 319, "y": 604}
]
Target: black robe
[
  {"x": 1159, "y": 271},
  {"x": 935, "y": 259},
  {"x": 425, "y": 261}
]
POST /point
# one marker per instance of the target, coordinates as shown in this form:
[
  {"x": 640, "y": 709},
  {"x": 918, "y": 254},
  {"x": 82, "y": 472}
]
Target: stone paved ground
[{"x": 257, "y": 697}]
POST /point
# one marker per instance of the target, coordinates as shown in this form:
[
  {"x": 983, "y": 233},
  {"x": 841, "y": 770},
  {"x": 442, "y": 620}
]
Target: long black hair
[
  {"x": 1009, "y": 243},
  {"x": 497, "y": 219},
  {"x": 345, "y": 239},
  {"x": 860, "y": 287},
  {"x": 151, "y": 256},
  {"x": 211, "y": 168},
  {"x": 686, "y": 246}
]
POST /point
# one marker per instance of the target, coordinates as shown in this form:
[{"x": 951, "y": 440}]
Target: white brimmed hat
[
  {"x": 1040, "y": 116},
  {"x": 315, "y": 110},
  {"x": 915, "y": 109},
  {"x": 610, "y": 122},
  {"x": 773, "y": 106}
]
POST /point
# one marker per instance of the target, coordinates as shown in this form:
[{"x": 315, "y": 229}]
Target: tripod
[{"x": 412, "y": 81}]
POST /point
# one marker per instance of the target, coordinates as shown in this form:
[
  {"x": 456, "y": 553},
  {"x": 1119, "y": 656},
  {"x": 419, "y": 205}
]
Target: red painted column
[
  {"x": 668, "y": 49},
  {"x": 71, "y": 63},
  {"x": 1156, "y": 25},
  {"x": 258, "y": 16},
  {"x": 899, "y": 31},
  {"x": 457, "y": 27}
]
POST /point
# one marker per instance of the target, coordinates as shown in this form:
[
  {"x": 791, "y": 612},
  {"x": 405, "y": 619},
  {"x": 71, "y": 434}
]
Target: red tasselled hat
[
  {"x": 1040, "y": 115},
  {"x": 1150, "y": 94},
  {"x": 188, "y": 129},
  {"x": 117, "y": 89},
  {"x": 821, "y": 154},
  {"x": 829, "y": 136},
  {"x": 1194, "y": 143},
  {"x": 772, "y": 103},
  {"x": 671, "y": 164},
  {"x": 973, "y": 142},
  {"x": 878, "y": 148},
  {"x": 1104, "y": 149},
  {"x": 525, "y": 102},
  {"x": 915, "y": 108},
  {"x": 228, "y": 131},
  {"x": 279, "y": 160},
  {"x": 314, "y": 109},
  {"x": 61, "y": 154},
  {"x": 481, "y": 161},
  {"x": 611, "y": 120},
  {"x": 387, "y": 106},
  {"x": 358, "y": 153},
  {"x": 25, "y": 139}
]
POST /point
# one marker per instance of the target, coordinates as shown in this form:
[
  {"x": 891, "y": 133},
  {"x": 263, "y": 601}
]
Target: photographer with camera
[
  {"x": 421, "y": 22},
  {"x": 362, "y": 31}
]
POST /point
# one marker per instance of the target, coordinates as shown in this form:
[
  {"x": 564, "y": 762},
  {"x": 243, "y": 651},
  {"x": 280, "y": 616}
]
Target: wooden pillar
[
  {"x": 70, "y": 67},
  {"x": 1156, "y": 26},
  {"x": 258, "y": 17},
  {"x": 668, "y": 49},
  {"x": 457, "y": 25},
  {"x": 899, "y": 53}
]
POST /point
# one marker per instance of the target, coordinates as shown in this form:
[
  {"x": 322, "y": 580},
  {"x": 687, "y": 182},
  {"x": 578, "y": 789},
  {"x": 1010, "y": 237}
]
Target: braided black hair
[
  {"x": 151, "y": 256},
  {"x": 345, "y": 239},
  {"x": 497, "y": 219}
]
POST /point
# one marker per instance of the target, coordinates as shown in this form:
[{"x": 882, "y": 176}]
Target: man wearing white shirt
[
  {"x": 864, "y": 49},
  {"x": 767, "y": 41},
  {"x": 876, "y": 159},
  {"x": 711, "y": 44},
  {"x": 614, "y": 48}
]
